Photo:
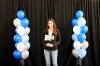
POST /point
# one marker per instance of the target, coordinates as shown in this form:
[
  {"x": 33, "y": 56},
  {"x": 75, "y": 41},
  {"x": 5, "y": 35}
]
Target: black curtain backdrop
[{"x": 38, "y": 11}]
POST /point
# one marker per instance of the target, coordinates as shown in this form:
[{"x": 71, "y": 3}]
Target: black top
[{"x": 56, "y": 41}]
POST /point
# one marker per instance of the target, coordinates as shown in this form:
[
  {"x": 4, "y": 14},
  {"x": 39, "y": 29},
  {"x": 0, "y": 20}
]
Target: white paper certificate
[{"x": 48, "y": 37}]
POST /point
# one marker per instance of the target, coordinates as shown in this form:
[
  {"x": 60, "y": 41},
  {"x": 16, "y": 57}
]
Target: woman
[{"x": 50, "y": 42}]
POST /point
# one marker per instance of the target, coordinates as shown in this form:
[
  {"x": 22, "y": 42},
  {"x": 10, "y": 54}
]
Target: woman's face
[{"x": 50, "y": 23}]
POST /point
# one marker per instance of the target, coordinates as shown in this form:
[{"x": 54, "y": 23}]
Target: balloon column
[
  {"x": 21, "y": 37},
  {"x": 79, "y": 29}
]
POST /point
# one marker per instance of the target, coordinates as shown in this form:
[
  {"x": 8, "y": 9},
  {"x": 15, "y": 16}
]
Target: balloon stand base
[
  {"x": 79, "y": 62},
  {"x": 21, "y": 62}
]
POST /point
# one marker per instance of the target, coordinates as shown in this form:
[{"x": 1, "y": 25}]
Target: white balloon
[
  {"x": 20, "y": 30},
  {"x": 85, "y": 45},
  {"x": 27, "y": 30},
  {"x": 17, "y": 22},
  {"x": 77, "y": 45},
  {"x": 27, "y": 45},
  {"x": 75, "y": 53},
  {"x": 25, "y": 38},
  {"x": 76, "y": 30},
  {"x": 81, "y": 21},
  {"x": 25, "y": 54},
  {"x": 21, "y": 47}
]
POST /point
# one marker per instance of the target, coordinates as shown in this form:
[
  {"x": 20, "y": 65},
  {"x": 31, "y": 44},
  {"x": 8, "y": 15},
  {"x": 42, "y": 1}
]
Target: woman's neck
[{"x": 50, "y": 29}]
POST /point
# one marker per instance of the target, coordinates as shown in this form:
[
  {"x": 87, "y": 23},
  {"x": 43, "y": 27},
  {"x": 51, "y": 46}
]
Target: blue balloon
[
  {"x": 17, "y": 54},
  {"x": 82, "y": 53},
  {"x": 17, "y": 38},
  {"x": 16, "y": 45},
  {"x": 74, "y": 22},
  {"x": 25, "y": 22},
  {"x": 81, "y": 37},
  {"x": 20, "y": 14},
  {"x": 84, "y": 29},
  {"x": 79, "y": 14},
  {"x": 74, "y": 37}
]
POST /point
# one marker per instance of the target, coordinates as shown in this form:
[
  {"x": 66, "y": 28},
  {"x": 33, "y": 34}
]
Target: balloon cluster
[
  {"x": 21, "y": 37},
  {"x": 79, "y": 29}
]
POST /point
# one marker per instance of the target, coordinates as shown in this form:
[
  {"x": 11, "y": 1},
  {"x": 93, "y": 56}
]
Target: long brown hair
[{"x": 55, "y": 29}]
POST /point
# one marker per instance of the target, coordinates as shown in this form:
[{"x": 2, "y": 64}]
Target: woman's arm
[{"x": 57, "y": 41}]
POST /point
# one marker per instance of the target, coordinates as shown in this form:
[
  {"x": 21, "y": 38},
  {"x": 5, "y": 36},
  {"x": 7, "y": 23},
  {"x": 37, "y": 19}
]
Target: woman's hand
[{"x": 49, "y": 45}]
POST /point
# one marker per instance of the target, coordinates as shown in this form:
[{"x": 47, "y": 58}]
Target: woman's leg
[
  {"x": 47, "y": 57},
  {"x": 54, "y": 54}
]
